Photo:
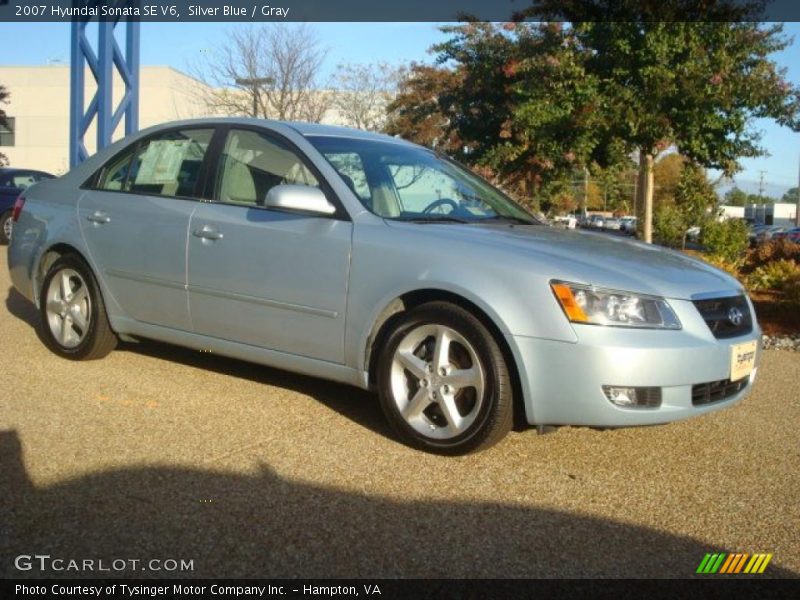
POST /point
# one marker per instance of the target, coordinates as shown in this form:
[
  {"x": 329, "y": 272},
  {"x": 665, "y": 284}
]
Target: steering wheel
[{"x": 441, "y": 202}]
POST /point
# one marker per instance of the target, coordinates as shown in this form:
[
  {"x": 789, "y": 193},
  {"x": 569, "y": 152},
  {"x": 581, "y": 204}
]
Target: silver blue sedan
[{"x": 368, "y": 260}]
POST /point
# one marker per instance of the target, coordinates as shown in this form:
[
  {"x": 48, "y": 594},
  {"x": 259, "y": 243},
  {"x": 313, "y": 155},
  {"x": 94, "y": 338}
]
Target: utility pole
[
  {"x": 254, "y": 82},
  {"x": 585, "y": 189},
  {"x": 797, "y": 206},
  {"x": 761, "y": 187}
]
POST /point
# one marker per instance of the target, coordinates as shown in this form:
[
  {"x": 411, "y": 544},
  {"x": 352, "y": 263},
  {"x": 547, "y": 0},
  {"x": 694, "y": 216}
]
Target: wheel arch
[
  {"x": 47, "y": 258},
  {"x": 401, "y": 304}
]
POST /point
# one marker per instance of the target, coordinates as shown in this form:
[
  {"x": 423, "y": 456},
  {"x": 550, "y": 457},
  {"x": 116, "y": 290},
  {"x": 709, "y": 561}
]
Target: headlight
[{"x": 597, "y": 306}]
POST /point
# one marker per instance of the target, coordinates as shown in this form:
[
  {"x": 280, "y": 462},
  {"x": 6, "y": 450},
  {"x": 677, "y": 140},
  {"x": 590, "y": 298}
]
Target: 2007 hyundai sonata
[{"x": 368, "y": 260}]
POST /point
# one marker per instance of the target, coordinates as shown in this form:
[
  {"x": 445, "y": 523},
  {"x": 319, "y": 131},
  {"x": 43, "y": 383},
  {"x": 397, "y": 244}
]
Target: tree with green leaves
[
  {"x": 735, "y": 197},
  {"x": 4, "y": 95},
  {"x": 738, "y": 197},
  {"x": 791, "y": 196},
  {"x": 696, "y": 86},
  {"x": 667, "y": 172},
  {"x": 515, "y": 96},
  {"x": 692, "y": 205},
  {"x": 684, "y": 74}
]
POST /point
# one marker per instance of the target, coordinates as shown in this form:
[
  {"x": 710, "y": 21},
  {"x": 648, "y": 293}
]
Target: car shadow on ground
[
  {"x": 266, "y": 525},
  {"x": 358, "y": 405},
  {"x": 23, "y": 309}
]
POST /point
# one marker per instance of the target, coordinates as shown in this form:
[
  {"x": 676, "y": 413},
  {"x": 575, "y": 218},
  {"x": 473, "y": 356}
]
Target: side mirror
[{"x": 300, "y": 198}]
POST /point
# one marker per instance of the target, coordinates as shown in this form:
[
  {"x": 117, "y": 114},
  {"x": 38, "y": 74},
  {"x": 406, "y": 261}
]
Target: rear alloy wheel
[
  {"x": 74, "y": 316},
  {"x": 6, "y": 225},
  {"x": 443, "y": 382}
]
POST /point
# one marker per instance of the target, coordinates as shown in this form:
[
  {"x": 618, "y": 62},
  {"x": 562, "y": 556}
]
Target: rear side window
[
  {"x": 168, "y": 164},
  {"x": 115, "y": 173}
]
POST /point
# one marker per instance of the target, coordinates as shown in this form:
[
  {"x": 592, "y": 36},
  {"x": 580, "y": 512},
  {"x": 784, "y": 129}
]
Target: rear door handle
[
  {"x": 207, "y": 233},
  {"x": 99, "y": 217}
]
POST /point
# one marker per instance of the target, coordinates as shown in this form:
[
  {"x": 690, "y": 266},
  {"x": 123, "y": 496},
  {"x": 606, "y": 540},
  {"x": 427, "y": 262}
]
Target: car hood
[{"x": 594, "y": 258}]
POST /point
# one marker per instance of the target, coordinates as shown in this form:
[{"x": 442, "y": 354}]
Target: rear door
[
  {"x": 262, "y": 277},
  {"x": 135, "y": 223}
]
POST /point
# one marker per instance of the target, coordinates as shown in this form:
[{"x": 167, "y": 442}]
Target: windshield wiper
[
  {"x": 437, "y": 219},
  {"x": 509, "y": 219}
]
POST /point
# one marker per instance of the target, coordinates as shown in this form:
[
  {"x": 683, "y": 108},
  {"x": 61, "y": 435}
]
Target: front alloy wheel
[
  {"x": 437, "y": 381},
  {"x": 443, "y": 381}
]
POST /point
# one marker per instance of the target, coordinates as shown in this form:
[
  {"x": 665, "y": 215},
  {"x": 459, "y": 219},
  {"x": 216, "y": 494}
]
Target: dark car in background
[
  {"x": 13, "y": 182},
  {"x": 793, "y": 235}
]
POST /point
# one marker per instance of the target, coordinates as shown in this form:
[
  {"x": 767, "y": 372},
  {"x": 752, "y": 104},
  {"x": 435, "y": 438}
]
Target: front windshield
[{"x": 403, "y": 182}]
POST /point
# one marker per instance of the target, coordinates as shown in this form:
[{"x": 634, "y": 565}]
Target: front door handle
[
  {"x": 98, "y": 217},
  {"x": 207, "y": 233}
]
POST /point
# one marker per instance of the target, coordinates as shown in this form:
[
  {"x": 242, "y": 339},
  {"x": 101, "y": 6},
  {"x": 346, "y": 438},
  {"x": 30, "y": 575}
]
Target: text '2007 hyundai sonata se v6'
[{"x": 368, "y": 260}]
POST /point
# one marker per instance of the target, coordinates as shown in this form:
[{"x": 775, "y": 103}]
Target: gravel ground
[
  {"x": 782, "y": 342},
  {"x": 159, "y": 452}
]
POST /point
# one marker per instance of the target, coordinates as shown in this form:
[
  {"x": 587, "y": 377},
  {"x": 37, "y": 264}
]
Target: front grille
[
  {"x": 715, "y": 391},
  {"x": 720, "y": 316}
]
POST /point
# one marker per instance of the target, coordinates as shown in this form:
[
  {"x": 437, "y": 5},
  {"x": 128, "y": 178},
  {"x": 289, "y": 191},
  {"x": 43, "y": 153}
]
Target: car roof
[
  {"x": 303, "y": 128},
  {"x": 318, "y": 129}
]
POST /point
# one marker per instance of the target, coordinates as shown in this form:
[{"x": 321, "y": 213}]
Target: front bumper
[{"x": 562, "y": 382}]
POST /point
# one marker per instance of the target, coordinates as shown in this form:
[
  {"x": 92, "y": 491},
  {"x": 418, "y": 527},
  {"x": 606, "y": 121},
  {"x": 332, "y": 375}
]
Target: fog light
[{"x": 647, "y": 397}]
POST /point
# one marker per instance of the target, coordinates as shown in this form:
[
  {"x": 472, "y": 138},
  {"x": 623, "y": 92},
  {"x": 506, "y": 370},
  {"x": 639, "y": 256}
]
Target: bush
[
  {"x": 669, "y": 226},
  {"x": 773, "y": 250},
  {"x": 726, "y": 239},
  {"x": 722, "y": 263},
  {"x": 791, "y": 290},
  {"x": 776, "y": 275}
]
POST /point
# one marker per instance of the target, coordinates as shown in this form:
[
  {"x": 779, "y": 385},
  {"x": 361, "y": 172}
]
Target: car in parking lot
[
  {"x": 768, "y": 233},
  {"x": 628, "y": 225},
  {"x": 565, "y": 221},
  {"x": 12, "y": 183},
  {"x": 793, "y": 235},
  {"x": 368, "y": 260},
  {"x": 753, "y": 231},
  {"x": 612, "y": 224},
  {"x": 596, "y": 221}
]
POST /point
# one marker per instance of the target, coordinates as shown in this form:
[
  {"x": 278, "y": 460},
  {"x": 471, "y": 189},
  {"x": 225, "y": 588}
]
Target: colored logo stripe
[
  {"x": 758, "y": 563},
  {"x": 734, "y": 563},
  {"x": 721, "y": 562},
  {"x": 711, "y": 563}
]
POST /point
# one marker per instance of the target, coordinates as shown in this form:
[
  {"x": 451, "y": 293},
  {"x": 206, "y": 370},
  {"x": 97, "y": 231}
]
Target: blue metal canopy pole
[{"x": 102, "y": 64}]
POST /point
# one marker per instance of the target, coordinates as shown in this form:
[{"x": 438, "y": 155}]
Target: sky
[{"x": 179, "y": 44}]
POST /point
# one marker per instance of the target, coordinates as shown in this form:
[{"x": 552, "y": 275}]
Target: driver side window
[{"x": 252, "y": 164}]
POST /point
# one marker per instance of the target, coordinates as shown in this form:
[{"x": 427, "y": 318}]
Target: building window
[{"x": 7, "y": 128}]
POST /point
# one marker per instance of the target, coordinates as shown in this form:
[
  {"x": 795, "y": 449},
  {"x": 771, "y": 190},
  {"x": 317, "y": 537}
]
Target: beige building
[{"x": 39, "y": 110}]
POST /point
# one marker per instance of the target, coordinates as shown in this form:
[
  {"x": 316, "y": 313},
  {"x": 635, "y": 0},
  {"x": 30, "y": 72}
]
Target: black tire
[
  {"x": 493, "y": 417},
  {"x": 5, "y": 217},
  {"x": 99, "y": 339}
]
